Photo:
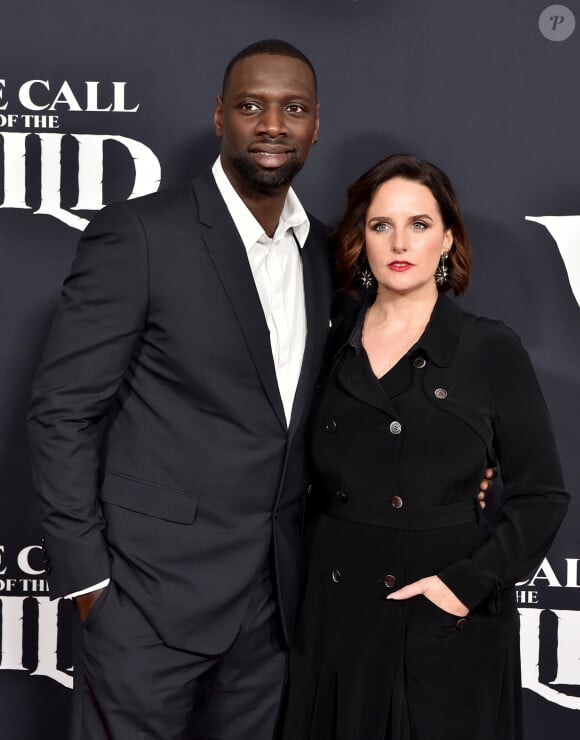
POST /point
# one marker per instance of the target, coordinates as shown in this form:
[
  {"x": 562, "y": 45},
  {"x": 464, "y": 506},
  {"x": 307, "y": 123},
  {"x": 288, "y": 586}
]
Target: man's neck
[{"x": 265, "y": 205}]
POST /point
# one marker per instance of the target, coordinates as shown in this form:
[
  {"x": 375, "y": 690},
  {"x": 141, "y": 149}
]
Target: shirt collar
[
  {"x": 293, "y": 215},
  {"x": 439, "y": 340}
]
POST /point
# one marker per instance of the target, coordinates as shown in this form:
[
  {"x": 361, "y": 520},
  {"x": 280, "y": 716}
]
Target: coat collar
[{"x": 438, "y": 342}]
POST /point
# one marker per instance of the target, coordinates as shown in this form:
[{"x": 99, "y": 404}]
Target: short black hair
[{"x": 276, "y": 47}]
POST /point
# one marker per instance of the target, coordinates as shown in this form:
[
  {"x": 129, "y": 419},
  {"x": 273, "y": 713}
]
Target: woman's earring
[
  {"x": 366, "y": 276},
  {"x": 442, "y": 271}
]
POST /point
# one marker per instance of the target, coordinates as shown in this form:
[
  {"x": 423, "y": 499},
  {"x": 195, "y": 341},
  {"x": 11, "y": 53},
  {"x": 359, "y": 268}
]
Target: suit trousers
[{"x": 129, "y": 685}]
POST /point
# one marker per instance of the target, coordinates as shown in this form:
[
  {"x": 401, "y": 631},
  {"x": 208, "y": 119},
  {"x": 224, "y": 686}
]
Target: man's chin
[{"x": 265, "y": 178}]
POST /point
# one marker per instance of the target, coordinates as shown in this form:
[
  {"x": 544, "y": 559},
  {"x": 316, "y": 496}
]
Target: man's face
[{"x": 267, "y": 120}]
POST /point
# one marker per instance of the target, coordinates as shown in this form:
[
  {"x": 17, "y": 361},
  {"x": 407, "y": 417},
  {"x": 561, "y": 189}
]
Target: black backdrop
[{"x": 487, "y": 90}]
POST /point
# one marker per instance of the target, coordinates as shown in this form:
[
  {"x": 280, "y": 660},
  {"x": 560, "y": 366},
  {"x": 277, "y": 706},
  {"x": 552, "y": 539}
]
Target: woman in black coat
[{"x": 409, "y": 628}]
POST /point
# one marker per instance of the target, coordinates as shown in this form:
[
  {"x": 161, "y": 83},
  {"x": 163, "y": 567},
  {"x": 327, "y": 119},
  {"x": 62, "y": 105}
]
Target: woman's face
[{"x": 405, "y": 237}]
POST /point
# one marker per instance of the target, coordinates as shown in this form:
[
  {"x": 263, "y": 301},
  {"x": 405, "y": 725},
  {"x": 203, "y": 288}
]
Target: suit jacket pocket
[{"x": 151, "y": 499}]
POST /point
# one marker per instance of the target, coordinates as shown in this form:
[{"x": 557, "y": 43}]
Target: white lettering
[
  {"x": 65, "y": 96},
  {"x": 119, "y": 99},
  {"x": 24, "y": 94},
  {"x": 12, "y": 631},
  {"x": 530, "y": 650},
  {"x": 23, "y": 561},
  {"x": 2, "y": 86},
  {"x": 548, "y": 575},
  {"x": 565, "y": 230},
  {"x": 93, "y": 98},
  {"x": 572, "y": 573},
  {"x": 47, "y": 642},
  {"x": 14, "y": 170},
  {"x": 568, "y": 648},
  {"x": 147, "y": 172}
]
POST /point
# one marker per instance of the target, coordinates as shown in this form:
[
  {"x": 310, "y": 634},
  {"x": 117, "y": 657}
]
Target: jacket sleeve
[
  {"x": 534, "y": 500},
  {"x": 98, "y": 321}
]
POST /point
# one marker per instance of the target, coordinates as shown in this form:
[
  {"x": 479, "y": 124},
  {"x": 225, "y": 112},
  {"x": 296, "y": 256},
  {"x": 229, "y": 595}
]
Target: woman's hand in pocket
[{"x": 436, "y": 591}]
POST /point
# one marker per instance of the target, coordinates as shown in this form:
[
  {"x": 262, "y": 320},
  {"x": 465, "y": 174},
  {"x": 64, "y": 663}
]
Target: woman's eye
[
  {"x": 380, "y": 227},
  {"x": 419, "y": 225}
]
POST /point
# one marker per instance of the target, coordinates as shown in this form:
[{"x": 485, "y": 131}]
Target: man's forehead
[{"x": 271, "y": 69}]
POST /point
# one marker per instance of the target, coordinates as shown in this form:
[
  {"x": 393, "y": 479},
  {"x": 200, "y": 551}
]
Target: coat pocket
[{"x": 150, "y": 499}]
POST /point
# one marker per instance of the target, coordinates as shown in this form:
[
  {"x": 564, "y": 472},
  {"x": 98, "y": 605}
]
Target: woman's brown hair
[{"x": 349, "y": 239}]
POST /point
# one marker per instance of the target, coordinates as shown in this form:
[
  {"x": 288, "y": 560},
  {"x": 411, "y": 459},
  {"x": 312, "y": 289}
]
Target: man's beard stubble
[{"x": 263, "y": 178}]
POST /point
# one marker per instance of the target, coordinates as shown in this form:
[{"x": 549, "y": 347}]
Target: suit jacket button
[
  {"x": 330, "y": 426},
  {"x": 396, "y": 502},
  {"x": 341, "y": 497},
  {"x": 440, "y": 393},
  {"x": 395, "y": 427},
  {"x": 419, "y": 362},
  {"x": 461, "y": 623},
  {"x": 389, "y": 580},
  {"x": 336, "y": 576}
]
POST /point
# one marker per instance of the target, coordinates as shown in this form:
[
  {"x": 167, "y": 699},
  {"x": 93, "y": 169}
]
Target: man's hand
[
  {"x": 436, "y": 591},
  {"x": 86, "y": 602},
  {"x": 485, "y": 485}
]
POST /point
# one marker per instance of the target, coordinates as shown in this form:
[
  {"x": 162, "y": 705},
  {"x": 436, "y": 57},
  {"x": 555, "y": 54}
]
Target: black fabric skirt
[{"x": 364, "y": 668}]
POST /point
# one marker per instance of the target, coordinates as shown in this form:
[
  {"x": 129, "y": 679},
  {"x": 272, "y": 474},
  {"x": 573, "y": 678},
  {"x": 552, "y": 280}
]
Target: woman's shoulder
[{"x": 492, "y": 342}]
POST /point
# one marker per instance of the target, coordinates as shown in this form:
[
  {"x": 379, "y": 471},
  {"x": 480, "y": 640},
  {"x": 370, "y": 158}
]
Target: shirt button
[
  {"x": 330, "y": 426},
  {"x": 336, "y": 576},
  {"x": 395, "y": 427},
  {"x": 396, "y": 502},
  {"x": 419, "y": 362},
  {"x": 440, "y": 393},
  {"x": 389, "y": 580},
  {"x": 341, "y": 496},
  {"x": 461, "y": 623},
  {"x": 276, "y": 514}
]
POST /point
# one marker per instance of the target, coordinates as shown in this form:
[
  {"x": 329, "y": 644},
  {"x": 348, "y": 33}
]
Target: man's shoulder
[{"x": 318, "y": 229}]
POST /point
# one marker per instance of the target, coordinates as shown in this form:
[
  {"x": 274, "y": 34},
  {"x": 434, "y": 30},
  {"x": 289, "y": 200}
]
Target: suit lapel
[
  {"x": 317, "y": 302},
  {"x": 231, "y": 262}
]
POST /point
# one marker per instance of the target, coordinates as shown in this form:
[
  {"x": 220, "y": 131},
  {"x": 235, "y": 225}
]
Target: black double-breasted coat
[{"x": 396, "y": 463}]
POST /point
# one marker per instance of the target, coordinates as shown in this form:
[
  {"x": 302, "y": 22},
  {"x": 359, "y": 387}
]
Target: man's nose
[{"x": 272, "y": 122}]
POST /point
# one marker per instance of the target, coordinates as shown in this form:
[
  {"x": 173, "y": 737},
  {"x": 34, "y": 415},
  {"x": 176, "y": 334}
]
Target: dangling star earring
[
  {"x": 366, "y": 276},
  {"x": 442, "y": 271}
]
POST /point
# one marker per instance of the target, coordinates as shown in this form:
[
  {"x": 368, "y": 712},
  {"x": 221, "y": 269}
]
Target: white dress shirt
[
  {"x": 276, "y": 265},
  {"x": 277, "y": 269}
]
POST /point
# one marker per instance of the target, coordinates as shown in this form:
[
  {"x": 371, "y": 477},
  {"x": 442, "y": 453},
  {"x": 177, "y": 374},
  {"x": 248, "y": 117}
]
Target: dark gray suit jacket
[{"x": 160, "y": 446}]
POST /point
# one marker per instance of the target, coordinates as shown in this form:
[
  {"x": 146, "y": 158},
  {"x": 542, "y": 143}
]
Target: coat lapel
[{"x": 231, "y": 262}]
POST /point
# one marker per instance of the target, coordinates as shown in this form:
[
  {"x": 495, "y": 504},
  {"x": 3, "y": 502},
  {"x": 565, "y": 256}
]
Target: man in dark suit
[{"x": 167, "y": 426}]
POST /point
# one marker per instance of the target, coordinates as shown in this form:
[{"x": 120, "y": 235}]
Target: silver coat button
[
  {"x": 395, "y": 427},
  {"x": 419, "y": 362},
  {"x": 440, "y": 393}
]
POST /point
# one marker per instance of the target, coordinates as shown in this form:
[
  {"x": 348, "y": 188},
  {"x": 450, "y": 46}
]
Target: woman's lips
[{"x": 399, "y": 266}]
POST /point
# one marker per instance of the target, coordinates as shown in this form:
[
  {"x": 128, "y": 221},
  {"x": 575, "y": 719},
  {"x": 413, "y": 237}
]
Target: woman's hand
[
  {"x": 436, "y": 591},
  {"x": 485, "y": 485}
]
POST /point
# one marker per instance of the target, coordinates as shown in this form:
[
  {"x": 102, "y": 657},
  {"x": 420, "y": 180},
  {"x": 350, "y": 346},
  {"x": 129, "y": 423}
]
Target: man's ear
[
  {"x": 317, "y": 125},
  {"x": 218, "y": 115}
]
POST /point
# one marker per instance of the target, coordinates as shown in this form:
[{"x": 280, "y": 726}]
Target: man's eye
[
  {"x": 249, "y": 107},
  {"x": 294, "y": 108}
]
